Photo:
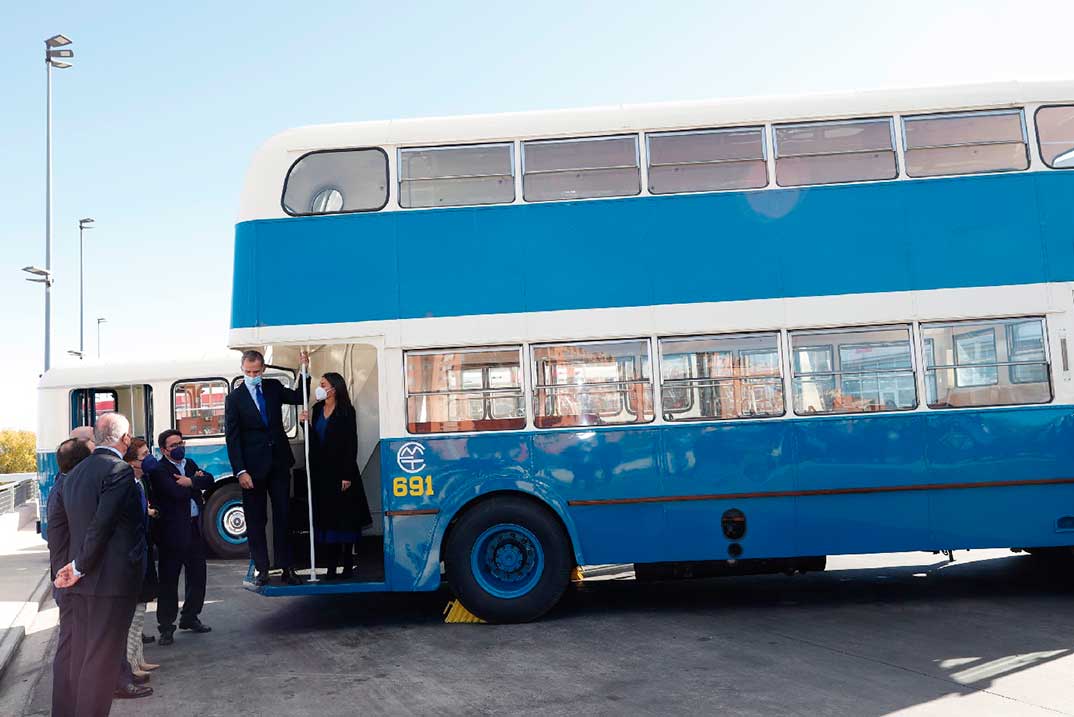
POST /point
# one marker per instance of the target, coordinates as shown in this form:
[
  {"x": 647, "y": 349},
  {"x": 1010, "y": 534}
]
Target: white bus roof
[
  {"x": 224, "y": 363},
  {"x": 264, "y": 179}
]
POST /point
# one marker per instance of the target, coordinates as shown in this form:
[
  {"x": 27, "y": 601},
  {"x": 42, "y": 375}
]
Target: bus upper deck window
[
  {"x": 965, "y": 143},
  {"x": 456, "y": 176},
  {"x": 580, "y": 168},
  {"x": 336, "y": 182},
  {"x": 835, "y": 152},
  {"x": 707, "y": 160},
  {"x": 1055, "y": 132}
]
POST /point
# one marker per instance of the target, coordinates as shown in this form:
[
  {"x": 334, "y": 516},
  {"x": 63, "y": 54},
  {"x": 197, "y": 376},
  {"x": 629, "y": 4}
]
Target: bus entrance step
[{"x": 454, "y": 612}]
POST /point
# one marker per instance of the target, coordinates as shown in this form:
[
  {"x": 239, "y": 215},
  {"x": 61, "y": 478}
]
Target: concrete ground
[{"x": 908, "y": 634}]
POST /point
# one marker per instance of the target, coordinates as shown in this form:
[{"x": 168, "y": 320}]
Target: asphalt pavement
[{"x": 907, "y": 634}]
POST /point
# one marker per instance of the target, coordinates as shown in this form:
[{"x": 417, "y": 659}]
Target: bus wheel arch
[{"x": 508, "y": 556}]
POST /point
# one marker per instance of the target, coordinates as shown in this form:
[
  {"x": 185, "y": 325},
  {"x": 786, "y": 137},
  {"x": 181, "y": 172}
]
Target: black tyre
[
  {"x": 224, "y": 523},
  {"x": 508, "y": 560}
]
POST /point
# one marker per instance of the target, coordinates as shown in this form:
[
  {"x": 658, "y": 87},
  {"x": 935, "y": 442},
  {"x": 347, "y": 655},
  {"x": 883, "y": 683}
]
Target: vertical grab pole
[{"x": 309, "y": 479}]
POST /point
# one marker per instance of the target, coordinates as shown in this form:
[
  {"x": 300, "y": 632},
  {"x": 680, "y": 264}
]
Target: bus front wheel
[
  {"x": 224, "y": 523},
  {"x": 508, "y": 560}
]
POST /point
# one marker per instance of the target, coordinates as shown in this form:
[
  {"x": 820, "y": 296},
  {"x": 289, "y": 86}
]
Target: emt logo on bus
[{"x": 411, "y": 457}]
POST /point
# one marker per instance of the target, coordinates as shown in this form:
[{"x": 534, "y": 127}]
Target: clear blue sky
[{"x": 156, "y": 122}]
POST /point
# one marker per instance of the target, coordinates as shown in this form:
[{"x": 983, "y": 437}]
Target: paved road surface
[{"x": 875, "y": 635}]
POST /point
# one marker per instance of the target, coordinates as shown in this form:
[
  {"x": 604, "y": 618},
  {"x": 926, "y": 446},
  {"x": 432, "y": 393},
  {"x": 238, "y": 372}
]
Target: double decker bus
[{"x": 702, "y": 338}]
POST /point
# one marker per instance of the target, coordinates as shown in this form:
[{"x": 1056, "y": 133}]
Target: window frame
[
  {"x": 1036, "y": 132},
  {"x": 622, "y": 386},
  {"x": 91, "y": 407},
  {"x": 992, "y": 365},
  {"x": 483, "y": 393},
  {"x": 636, "y": 136},
  {"x": 205, "y": 379},
  {"x": 1047, "y": 362},
  {"x": 1012, "y": 364},
  {"x": 776, "y": 126},
  {"x": 687, "y": 383},
  {"x": 647, "y": 136},
  {"x": 387, "y": 182},
  {"x": 838, "y": 374},
  {"x": 906, "y": 148},
  {"x": 510, "y": 144}
]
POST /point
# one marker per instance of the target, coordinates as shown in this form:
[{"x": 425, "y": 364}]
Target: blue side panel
[
  {"x": 211, "y": 457},
  {"x": 888, "y": 236},
  {"x": 47, "y": 470},
  {"x": 816, "y": 486}
]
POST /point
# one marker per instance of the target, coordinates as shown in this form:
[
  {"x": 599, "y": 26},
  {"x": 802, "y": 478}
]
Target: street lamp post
[
  {"x": 83, "y": 224},
  {"x": 100, "y": 320},
  {"x": 53, "y": 58}
]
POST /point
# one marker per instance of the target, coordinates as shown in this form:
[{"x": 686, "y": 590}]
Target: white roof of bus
[
  {"x": 264, "y": 180},
  {"x": 225, "y": 363}
]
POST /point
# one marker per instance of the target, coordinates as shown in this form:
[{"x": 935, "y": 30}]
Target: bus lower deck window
[{"x": 464, "y": 390}]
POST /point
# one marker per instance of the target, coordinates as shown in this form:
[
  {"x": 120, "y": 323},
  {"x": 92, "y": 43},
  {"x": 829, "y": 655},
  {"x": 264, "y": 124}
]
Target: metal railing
[{"x": 17, "y": 489}]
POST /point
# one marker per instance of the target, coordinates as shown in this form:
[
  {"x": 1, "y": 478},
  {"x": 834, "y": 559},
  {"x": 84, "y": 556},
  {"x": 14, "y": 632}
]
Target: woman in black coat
[{"x": 340, "y": 509}]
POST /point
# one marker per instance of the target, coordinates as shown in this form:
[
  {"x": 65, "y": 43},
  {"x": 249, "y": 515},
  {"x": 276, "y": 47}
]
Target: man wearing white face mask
[{"x": 261, "y": 459}]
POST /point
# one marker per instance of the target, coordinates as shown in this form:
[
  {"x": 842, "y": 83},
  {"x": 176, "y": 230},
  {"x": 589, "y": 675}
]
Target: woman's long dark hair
[{"x": 343, "y": 398}]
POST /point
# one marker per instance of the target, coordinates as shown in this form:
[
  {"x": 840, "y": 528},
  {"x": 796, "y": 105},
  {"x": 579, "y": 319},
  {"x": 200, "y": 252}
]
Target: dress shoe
[
  {"x": 194, "y": 625},
  {"x": 148, "y": 667},
  {"x": 165, "y": 639},
  {"x": 139, "y": 677},
  {"x": 260, "y": 579},
  {"x": 146, "y": 639},
  {"x": 132, "y": 691},
  {"x": 290, "y": 577}
]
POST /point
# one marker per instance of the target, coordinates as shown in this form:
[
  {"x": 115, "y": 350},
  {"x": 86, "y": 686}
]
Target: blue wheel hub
[
  {"x": 507, "y": 560},
  {"x": 231, "y": 522}
]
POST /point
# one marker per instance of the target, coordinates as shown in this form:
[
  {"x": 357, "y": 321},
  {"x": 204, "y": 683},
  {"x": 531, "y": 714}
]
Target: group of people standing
[{"x": 122, "y": 525}]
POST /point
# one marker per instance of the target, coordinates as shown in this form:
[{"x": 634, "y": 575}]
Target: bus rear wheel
[{"x": 508, "y": 560}]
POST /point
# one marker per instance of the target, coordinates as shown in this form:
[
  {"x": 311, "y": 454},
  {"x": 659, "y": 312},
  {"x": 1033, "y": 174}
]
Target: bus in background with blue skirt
[
  {"x": 186, "y": 394},
  {"x": 702, "y": 338}
]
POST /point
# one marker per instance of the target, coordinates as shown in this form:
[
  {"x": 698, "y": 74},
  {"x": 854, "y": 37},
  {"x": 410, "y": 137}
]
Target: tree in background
[{"x": 17, "y": 452}]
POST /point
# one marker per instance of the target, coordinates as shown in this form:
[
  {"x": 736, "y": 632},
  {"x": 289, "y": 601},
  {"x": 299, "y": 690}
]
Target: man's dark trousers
[
  {"x": 63, "y": 690},
  {"x": 98, "y": 641},
  {"x": 255, "y": 505},
  {"x": 191, "y": 561}
]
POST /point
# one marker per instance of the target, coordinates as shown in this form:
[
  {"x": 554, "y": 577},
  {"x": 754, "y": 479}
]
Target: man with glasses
[{"x": 178, "y": 483}]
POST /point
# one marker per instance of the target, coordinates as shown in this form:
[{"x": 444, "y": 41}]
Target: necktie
[{"x": 261, "y": 405}]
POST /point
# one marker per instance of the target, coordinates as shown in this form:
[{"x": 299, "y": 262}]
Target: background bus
[
  {"x": 740, "y": 334},
  {"x": 186, "y": 394}
]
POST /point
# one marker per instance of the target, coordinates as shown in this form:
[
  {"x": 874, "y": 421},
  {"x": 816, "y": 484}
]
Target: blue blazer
[{"x": 172, "y": 501}]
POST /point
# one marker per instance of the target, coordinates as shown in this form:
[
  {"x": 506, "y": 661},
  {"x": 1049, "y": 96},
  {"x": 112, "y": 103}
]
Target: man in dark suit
[
  {"x": 105, "y": 522},
  {"x": 261, "y": 459},
  {"x": 68, "y": 455},
  {"x": 177, "y": 485}
]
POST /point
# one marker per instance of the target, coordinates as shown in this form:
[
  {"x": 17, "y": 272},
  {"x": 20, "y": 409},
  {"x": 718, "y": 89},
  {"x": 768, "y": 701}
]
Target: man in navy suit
[
  {"x": 178, "y": 483},
  {"x": 261, "y": 459}
]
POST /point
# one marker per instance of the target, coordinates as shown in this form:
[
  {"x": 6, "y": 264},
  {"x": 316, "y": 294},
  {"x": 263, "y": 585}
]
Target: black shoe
[
  {"x": 290, "y": 577},
  {"x": 347, "y": 574},
  {"x": 139, "y": 680},
  {"x": 132, "y": 691},
  {"x": 194, "y": 625},
  {"x": 146, "y": 639},
  {"x": 165, "y": 639},
  {"x": 260, "y": 579}
]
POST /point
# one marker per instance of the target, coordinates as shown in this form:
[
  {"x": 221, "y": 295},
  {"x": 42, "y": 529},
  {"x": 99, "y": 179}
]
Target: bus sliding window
[
  {"x": 580, "y": 168},
  {"x": 996, "y": 362},
  {"x": 718, "y": 377},
  {"x": 456, "y": 176},
  {"x": 464, "y": 390},
  {"x": 707, "y": 160},
  {"x": 198, "y": 407},
  {"x": 835, "y": 152},
  {"x": 853, "y": 370},
  {"x": 965, "y": 143},
  {"x": 592, "y": 384}
]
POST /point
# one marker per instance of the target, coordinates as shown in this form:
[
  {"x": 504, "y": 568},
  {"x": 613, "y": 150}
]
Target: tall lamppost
[
  {"x": 53, "y": 58},
  {"x": 100, "y": 320},
  {"x": 83, "y": 224}
]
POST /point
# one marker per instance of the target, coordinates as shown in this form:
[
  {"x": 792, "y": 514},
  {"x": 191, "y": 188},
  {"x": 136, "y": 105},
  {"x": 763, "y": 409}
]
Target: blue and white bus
[
  {"x": 729, "y": 335},
  {"x": 187, "y": 394}
]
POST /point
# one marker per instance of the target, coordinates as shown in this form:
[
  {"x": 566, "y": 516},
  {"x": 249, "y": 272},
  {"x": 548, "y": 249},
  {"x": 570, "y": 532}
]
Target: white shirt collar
[{"x": 114, "y": 450}]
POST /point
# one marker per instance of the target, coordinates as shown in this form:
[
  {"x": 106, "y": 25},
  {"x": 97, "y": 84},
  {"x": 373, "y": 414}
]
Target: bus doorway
[{"x": 358, "y": 366}]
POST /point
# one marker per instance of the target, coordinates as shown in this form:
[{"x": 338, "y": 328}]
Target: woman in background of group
[{"x": 136, "y": 454}]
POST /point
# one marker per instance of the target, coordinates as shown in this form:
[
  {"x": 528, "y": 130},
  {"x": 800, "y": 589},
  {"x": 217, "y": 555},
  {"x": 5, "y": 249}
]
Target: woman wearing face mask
[
  {"x": 136, "y": 456},
  {"x": 340, "y": 509}
]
